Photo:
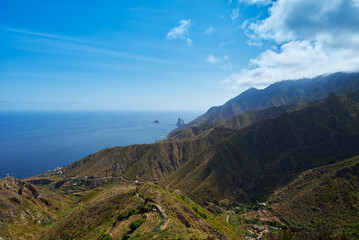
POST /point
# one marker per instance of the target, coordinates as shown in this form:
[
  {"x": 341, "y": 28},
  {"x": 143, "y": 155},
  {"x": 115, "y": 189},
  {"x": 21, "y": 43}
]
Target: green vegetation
[
  {"x": 279, "y": 173},
  {"x": 136, "y": 223},
  {"x": 106, "y": 236}
]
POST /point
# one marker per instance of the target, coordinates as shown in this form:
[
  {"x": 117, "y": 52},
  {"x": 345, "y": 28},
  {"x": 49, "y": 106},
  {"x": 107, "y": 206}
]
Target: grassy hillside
[
  {"x": 290, "y": 156},
  {"x": 147, "y": 161},
  {"x": 253, "y": 161},
  {"x": 145, "y": 211},
  {"x": 243, "y": 165},
  {"x": 26, "y": 210},
  {"x": 328, "y": 194},
  {"x": 321, "y": 203}
]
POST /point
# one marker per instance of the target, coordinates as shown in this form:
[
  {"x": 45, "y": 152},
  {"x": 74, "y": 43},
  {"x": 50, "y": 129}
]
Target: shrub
[
  {"x": 136, "y": 223},
  {"x": 106, "y": 236}
]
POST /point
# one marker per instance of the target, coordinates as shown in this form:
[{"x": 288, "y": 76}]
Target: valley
[{"x": 289, "y": 169}]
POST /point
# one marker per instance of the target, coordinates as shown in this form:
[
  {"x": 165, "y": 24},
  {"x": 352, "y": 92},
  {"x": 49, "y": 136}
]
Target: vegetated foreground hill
[
  {"x": 328, "y": 194},
  {"x": 321, "y": 203},
  {"x": 278, "y": 94},
  {"x": 26, "y": 210},
  {"x": 146, "y": 211}
]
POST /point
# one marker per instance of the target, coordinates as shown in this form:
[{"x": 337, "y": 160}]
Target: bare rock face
[
  {"x": 180, "y": 122},
  {"x": 20, "y": 187},
  {"x": 13, "y": 195}
]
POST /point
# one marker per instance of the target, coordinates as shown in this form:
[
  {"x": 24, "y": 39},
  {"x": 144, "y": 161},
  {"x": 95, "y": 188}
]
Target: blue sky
[{"x": 165, "y": 55}]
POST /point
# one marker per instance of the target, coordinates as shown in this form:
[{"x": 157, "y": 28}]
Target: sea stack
[{"x": 180, "y": 122}]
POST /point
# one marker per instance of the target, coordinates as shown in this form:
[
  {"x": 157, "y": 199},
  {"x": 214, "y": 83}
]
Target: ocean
[{"x": 33, "y": 142}]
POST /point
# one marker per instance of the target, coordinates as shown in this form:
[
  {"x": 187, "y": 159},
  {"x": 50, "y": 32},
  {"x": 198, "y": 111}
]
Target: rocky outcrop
[
  {"x": 20, "y": 187},
  {"x": 14, "y": 193}
]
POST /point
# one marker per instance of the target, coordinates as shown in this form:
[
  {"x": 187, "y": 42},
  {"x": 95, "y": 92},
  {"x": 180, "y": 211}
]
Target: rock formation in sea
[{"x": 180, "y": 122}]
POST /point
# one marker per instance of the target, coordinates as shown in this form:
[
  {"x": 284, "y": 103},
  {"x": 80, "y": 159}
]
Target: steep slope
[
  {"x": 240, "y": 121},
  {"x": 147, "y": 161},
  {"x": 280, "y": 93},
  {"x": 26, "y": 210},
  {"x": 327, "y": 194},
  {"x": 255, "y": 160},
  {"x": 146, "y": 211}
]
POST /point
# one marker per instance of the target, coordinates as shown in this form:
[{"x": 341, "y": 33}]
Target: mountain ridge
[{"x": 278, "y": 94}]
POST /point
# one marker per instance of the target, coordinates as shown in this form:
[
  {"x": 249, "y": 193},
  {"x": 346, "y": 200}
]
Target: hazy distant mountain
[{"x": 281, "y": 93}]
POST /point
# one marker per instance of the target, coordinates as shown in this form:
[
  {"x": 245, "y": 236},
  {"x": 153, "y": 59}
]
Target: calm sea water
[{"x": 34, "y": 142}]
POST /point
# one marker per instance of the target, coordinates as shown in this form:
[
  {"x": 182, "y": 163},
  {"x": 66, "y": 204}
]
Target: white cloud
[
  {"x": 213, "y": 60},
  {"x": 209, "y": 30},
  {"x": 235, "y": 14},
  {"x": 189, "y": 41},
  {"x": 222, "y": 44},
  {"x": 181, "y": 32},
  {"x": 258, "y": 2},
  {"x": 314, "y": 38}
]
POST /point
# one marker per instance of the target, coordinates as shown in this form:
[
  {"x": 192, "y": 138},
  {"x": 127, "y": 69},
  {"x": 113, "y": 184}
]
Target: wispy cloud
[
  {"x": 39, "y": 34},
  {"x": 222, "y": 44},
  {"x": 235, "y": 14},
  {"x": 181, "y": 32},
  {"x": 209, "y": 30},
  {"x": 213, "y": 60},
  {"x": 62, "y": 44}
]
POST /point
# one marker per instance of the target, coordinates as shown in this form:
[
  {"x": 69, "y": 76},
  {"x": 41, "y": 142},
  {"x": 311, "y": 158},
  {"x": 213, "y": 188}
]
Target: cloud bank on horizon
[{"x": 308, "y": 38}]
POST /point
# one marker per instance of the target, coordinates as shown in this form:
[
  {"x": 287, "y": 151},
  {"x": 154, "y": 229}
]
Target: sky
[{"x": 166, "y": 55}]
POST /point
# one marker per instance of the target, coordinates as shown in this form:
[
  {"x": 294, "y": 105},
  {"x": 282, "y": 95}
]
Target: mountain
[
  {"x": 241, "y": 165},
  {"x": 255, "y": 160},
  {"x": 320, "y": 203},
  {"x": 240, "y": 121},
  {"x": 280, "y": 93},
  {"x": 252, "y": 175},
  {"x": 326, "y": 194}
]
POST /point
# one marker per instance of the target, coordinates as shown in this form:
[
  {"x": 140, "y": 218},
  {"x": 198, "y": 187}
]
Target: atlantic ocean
[{"x": 33, "y": 142}]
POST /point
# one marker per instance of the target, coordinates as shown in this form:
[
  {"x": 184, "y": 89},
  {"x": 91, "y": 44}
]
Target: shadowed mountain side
[
  {"x": 327, "y": 194},
  {"x": 255, "y": 160},
  {"x": 278, "y": 94},
  {"x": 237, "y": 122}
]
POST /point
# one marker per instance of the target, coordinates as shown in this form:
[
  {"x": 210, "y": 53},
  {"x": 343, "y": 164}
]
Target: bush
[
  {"x": 106, "y": 236},
  {"x": 127, "y": 215},
  {"x": 202, "y": 215},
  {"x": 135, "y": 224}
]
